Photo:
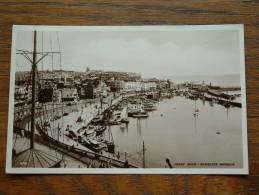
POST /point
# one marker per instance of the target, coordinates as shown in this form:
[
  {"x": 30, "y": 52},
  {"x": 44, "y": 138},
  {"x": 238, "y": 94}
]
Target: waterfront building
[
  {"x": 69, "y": 94},
  {"x": 88, "y": 91},
  {"x": 57, "y": 97},
  {"x": 45, "y": 95},
  {"x": 86, "y": 88},
  {"x": 67, "y": 80},
  {"x": 101, "y": 89},
  {"x": 107, "y": 75},
  {"x": 163, "y": 84},
  {"x": 132, "y": 86},
  {"x": 82, "y": 90},
  {"x": 22, "y": 77},
  {"x": 148, "y": 85},
  {"x": 202, "y": 87},
  {"x": 182, "y": 86},
  {"x": 21, "y": 93},
  {"x": 115, "y": 85}
]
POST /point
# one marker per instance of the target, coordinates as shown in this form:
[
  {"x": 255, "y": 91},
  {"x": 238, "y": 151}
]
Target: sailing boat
[
  {"x": 124, "y": 115},
  {"x": 33, "y": 157},
  {"x": 79, "y": 119},
  {"x": 110, "y": 142},
  {"x": 196, "y": 110}
]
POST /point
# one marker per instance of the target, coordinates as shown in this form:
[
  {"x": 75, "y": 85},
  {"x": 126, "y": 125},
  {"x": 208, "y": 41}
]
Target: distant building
[
  {"x": 57, "y": 95},
  {"x": 45, "y": 95},
  {"x": 148, "y": 85},
  {"x": 22, "y": 77},
  {"x": 21, "y": 93},
  {"x": 107, "y": 75},
  {"x": 132, "y": 86},
  {"x": 86, "y": 91},
  {"x": 69, "y": 94},
  {"x": 199, "y": 87},
  {"x": 164, "y": 84},
  {"x": 101, "y": 89},
  {"x": 86, "y": 88},
  {"x": 66, "y": 80},
  {"x": 115, "y": 85}
]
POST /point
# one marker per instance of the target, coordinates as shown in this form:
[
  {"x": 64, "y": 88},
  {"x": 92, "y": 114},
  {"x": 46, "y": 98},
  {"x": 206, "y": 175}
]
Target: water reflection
[
  {"x": 195, "y": 124},
  {"x": 139, "y": 127},
  {"x": 227, "y": 112},
  {"x": 186, "y": 131}
]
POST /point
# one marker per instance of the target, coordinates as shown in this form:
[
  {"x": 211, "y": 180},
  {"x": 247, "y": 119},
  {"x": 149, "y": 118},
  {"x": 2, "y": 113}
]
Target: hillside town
[
  {"x": 70, "y": 86},
  {"x": 76, "y": 86},
  {"x": 111, "y": 119}
]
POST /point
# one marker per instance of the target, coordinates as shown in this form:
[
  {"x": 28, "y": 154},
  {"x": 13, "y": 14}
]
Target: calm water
[{"x": 173, "y": 132}]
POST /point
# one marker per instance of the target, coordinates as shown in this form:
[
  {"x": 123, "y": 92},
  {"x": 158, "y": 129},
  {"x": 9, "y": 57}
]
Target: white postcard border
[{"x": 218, "y": 171}]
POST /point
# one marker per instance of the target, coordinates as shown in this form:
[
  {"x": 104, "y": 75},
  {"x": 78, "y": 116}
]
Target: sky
[{"x": 152, "y": 53}]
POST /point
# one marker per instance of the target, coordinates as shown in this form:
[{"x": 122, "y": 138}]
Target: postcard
[{"x": 127, "y": 100}]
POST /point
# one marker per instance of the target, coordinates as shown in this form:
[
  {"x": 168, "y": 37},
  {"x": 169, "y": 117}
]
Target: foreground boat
[{"x": 140, "y": 115}]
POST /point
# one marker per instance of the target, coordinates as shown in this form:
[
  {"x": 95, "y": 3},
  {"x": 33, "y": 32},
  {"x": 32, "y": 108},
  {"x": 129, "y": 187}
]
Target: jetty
[{"x": 84, "y": 156}]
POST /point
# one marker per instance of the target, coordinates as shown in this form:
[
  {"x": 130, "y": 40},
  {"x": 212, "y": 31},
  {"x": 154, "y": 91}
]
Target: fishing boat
[
  {"x": 140, "y": 115},
  {"x": 110, "y": 142},
  {"x": 89, "y": 132},
  {"x": 122, "y": 126},
  {"x": 125, "y": 120},
  {"x": 196, "y": 110},
  {"x": 134, "y": 109},
  {"x": 71, "y": 134},
  {"x": 97, "y": 119},
  {"x": 56, "y": 117},
  {"x": 100, "y": 129},
  {"x": 111, "y": 147},
  {"x": 79, "y": 119},
  {"x": 119, "y": 117},
  {"x": 131, "y": 112},
  {"x": 65, "y": 113},
  {"x": 226, "y": 104},
  {"x": 149, "y": 107},
  {"x": 113, "y": 122},
  {"x": 124, "y": 115},
  {"x": 91, "y": 144}
]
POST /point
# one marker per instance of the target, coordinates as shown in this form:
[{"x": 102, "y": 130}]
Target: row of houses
[
  {"x": 88, "y": 89},
  {"x": 60, "y": 86}
]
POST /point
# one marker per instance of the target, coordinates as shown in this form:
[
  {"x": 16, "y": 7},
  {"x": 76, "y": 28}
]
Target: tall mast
[
  {"x": 34, "y": 69},
  {"x": 144, "y": 150},
  {"x": 34, "y": 61}
]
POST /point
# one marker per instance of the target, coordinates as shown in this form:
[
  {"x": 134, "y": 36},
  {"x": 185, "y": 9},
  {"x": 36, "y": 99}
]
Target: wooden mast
[
  {"x": 34, "y": 69},
  {"x": 144, "y": 150},
  {"x": 30, "y": 153}
]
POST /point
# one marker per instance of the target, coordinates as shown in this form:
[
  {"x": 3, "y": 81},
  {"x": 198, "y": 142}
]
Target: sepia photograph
[{"x": 127, "y": 99}]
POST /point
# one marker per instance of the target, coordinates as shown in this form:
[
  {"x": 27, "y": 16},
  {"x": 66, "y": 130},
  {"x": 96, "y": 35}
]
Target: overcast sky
[{"x": 153, "y": 54}]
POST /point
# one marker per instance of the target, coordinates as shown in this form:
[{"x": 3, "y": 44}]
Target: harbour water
[{"x": 214, "y": 135}]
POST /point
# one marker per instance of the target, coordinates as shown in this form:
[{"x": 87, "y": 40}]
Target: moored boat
[
  {"x": 100, "y": 129},
  {"x": 149, "y": 107},
  {"x": 140, "y": 115},
  {"x": 97, "y": 119},
  {"x": 79, "y": 119},
  {"x": 91, "y": 144},
  {"x": 65, "y": 113}
]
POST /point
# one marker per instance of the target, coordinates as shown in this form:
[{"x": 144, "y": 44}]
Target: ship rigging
[{"x": 33, "y": 156}]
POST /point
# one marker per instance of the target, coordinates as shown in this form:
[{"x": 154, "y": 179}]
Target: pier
[{"x": 84, "y": 156}]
